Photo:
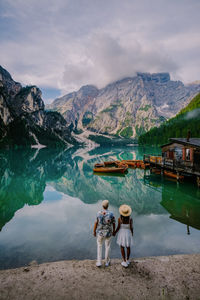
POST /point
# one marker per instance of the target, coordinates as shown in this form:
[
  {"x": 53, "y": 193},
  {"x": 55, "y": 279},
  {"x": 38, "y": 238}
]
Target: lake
[{"x": 49, "y": 200}]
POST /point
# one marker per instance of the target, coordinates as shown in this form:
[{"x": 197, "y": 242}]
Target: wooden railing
[
  {"x": 171, "y": 163},
  {"x": 153, "y": 159}
]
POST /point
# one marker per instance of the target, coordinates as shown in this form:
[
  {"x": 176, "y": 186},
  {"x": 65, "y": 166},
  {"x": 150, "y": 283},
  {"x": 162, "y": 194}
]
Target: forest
[{"x": 188, "y": 119}]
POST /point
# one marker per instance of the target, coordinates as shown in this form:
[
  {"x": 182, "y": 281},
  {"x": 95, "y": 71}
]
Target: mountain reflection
[
  {"x": 80, "y": 181},
  {"x": 25, "y": 173},
  {"x": 23, "y": 177}
]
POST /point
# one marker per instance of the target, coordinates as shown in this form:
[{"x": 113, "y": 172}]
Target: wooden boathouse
[{"x": 180, "y": 157}]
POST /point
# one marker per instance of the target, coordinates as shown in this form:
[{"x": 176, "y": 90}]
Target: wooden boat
[
  {"x": 132, "y": 160},
  {"x": 110, "y": 174},
  {"x": 99, "y": 165},
  {"x": 143, "y": 166},
  {"x": 136, "y": 163},
  {"x": 133, "y": 163},
  {"x": 117, "y": 169},
  {"x": 130, "y": 163},
  {"x": 112, "y": 163},
  {"x": 156, "y": 171},
  {"x": 173, "y": 175}
]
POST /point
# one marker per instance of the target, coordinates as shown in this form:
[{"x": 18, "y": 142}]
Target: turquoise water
[{"x": 49, "y": 199}]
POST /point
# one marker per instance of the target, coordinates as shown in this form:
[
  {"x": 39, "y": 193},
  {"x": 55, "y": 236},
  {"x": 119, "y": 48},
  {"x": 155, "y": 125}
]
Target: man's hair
[{"x": 105, "y": 204}]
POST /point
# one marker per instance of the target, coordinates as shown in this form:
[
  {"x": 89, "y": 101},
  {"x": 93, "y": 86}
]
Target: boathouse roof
[{"x": 184, "y": 141}]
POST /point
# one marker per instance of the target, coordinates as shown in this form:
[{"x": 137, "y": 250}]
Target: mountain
[
  {"x": 188, "y": 119},
  {"x": 23, "y": 119},
  {"x": 128, "y": 107}
]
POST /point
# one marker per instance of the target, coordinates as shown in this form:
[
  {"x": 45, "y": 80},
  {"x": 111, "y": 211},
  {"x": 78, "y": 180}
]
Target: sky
[{"x": 61, "y": 45}]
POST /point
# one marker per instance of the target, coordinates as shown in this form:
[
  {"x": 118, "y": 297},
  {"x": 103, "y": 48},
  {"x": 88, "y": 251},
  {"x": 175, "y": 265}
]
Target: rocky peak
[
  {"x": 88, "y": 91},
  {"x": 28, "y": 100},
  {"x": 155, "y": 77},
  {"x": 12, "y": 87}
]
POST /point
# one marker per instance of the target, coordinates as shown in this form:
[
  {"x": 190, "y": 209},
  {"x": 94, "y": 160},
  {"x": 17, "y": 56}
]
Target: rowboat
[
  {"x": 99, "y": 165},
  {"x": 110, "y": 170},
  {"x": 119, "y": 168},
  {"x": 112, "y": 163},
  {"x": 173, "y": 175},
  {"x": 137, "y": 163},
  {"x": 130, "y": 163},
  {"x": 156, "y": 171},
  {"x": 110, "y": 174}
]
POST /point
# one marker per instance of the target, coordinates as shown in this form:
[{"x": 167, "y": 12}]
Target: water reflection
[
  {"x": 182, "y": 201},
  {"x": 183, "y": 204},
  {"x": 79, "y": 181},
  {"x": 23, "y": 177},
  {"x": 54, "y": 196}
]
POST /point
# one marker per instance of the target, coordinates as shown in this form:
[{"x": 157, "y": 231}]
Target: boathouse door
[
  {"x": 171, "y": 154},
  {"x": 197, "y": 160}
]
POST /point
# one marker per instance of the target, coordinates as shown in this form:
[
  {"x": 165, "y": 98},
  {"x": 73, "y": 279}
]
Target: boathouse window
[
  {"x": 178, "y": 153},
  {"x": 187, "y": 154}
]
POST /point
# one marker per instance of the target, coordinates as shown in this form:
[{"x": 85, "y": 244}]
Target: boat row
[{"x": 119, "y": 166}]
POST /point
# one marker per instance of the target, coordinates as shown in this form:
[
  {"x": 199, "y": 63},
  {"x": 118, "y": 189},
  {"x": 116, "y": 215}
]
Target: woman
[{"x": 125, "y": 235}]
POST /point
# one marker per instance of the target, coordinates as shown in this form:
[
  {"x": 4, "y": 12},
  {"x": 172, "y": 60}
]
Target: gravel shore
[{"x": 164, "y": 277}]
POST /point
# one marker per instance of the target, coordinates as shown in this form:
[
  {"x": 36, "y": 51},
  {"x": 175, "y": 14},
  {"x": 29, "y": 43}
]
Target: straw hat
[
  {"x": 105, "y": 203},
  {"x": 125, "y": 210}
]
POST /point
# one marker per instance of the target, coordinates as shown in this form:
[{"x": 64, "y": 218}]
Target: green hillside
[{"x": 187, "y": 119}]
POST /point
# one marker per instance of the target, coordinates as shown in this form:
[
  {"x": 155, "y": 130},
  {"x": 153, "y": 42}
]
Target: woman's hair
[{"x": 124, "y": 218}]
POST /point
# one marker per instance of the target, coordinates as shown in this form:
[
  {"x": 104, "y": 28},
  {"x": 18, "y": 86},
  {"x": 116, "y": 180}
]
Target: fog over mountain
[{"x": 63, "y": 45}]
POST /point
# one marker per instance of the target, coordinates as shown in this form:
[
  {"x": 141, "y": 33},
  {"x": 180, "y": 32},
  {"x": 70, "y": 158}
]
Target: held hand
[
  {"x": 114, "y": 233},
  {"x": 94, "y": 233}
]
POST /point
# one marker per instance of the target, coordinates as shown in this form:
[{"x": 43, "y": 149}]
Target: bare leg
[
  {"x": 128, "y": 252},
  {"x": 123, "y": 253}
]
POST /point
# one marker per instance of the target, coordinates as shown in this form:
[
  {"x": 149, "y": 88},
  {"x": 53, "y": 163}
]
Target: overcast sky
[{"x": 61, "y": 45}]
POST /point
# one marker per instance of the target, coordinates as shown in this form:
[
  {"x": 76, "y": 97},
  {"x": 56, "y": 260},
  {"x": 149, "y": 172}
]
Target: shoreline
[{"x": 160, "y": 277}]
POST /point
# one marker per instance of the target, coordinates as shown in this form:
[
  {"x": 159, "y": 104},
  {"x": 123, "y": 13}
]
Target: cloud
[
  {"x": 193, "y": 114},
  {"x": 106, "y": 59},
  {"x": 66, "y": 44}
]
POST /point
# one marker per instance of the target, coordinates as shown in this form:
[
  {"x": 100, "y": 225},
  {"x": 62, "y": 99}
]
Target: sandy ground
[{"x": 169, "y": 277}]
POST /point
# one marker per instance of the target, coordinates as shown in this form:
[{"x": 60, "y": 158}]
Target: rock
[
  {"x": 12, "y": 87},
  {"x": 23, "y": 119},
  {"x": 26, "y": 269},
  {"x": 33, "y": 263}
]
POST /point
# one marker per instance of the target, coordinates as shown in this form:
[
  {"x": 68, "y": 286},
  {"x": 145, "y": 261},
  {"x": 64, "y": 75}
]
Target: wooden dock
[
  {"x": 180, "y": 157},
  {"x": 177, "y": 168}
]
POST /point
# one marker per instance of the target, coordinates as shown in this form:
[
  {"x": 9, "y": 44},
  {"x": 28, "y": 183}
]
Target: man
[{"x": 104, "y": 228}]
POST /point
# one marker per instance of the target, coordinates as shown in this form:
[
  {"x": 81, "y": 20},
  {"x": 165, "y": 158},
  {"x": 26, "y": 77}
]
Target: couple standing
[{"x": 104, "y": 229}]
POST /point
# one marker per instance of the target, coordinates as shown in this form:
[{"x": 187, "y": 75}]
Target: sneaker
[
  {"x": 98, "y": 264},
  {"x": 124, "y": 264},
  {"x": 107, "y": 264},
  {"x": 128, "y": 262}
]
